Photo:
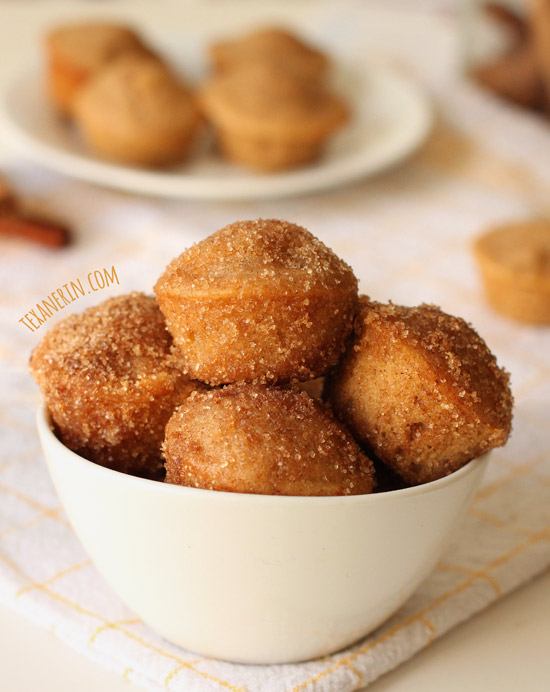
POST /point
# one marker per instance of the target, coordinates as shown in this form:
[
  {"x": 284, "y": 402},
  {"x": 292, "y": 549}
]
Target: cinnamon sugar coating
[
  {"x": 421, "y": 389},
  {"x": 136, "y": 111},
  {"x": 272, "y": 45},
  {"x": 256, "y": 439},
  {"x": 258, "y": 301},
  {"x": 111, "y": 380},
  {"x": 269, "y": 118}
]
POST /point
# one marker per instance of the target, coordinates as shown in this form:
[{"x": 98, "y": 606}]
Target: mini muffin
[
  {"x": 77, "y": 52},
  {"x": 111, "y": 381},
  {"x": 271, "y": 119},
  {"x": 270, "y": 45},
  {"x": 255, "y": 439},
  {"x": 515, "y": 265},
  {"x": 136, "y": 112},
  {"x": 259, "y": 301},
  {"x": 421, "y": 389}
]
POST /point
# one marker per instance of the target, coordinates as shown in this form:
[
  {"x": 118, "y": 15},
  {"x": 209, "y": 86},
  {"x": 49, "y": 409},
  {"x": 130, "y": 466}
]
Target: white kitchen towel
[{"x": 408, "y": 236}]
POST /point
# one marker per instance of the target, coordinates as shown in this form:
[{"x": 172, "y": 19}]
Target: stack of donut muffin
[{"x": 208, "y": 383}]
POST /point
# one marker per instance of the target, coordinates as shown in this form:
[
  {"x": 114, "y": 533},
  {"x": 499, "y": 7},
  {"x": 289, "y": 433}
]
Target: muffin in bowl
[
  {"x": 421, "y": 389},
  {"x": 111, "y": 380},
  {"x": 258, "y": 301}
]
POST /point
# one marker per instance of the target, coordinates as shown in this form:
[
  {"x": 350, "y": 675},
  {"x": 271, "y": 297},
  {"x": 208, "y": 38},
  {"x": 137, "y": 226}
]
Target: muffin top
[
  {"x": 90, "y": 45},
  {"x": 115, "y": 344},
  {"x": 272, "y": 45},
  {"x": 456, "y": 353},
  {"x": 256, "y": 256},
  {"x": 522, "y": 249},
  {"x": 137, "y": 91},
  {"x": 264, "y": 100}
]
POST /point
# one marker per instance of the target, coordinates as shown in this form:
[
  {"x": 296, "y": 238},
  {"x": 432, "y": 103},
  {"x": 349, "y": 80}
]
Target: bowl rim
[{"x": 45, "y": 431}]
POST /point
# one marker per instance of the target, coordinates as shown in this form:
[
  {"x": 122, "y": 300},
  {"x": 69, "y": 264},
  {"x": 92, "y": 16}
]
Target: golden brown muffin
[
  {"x": 259, "y": 301},
  {"x": 256, "y": 439},
  {"x": 270, "y": 45},
  {"x": 77, "y": 52},
  {"x": 270, "y": 119},
  {"x": 422, "y": 389},
  {"x": 515, "y": 265},
  {"x": 135, "y": 111},
  {"x": 111, "y": 381}
]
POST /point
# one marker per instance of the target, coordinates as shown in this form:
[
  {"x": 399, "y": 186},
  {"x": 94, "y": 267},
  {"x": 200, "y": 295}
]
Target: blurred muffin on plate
[
  {"x": 76, "y": 52},
  {"x": 274, "y": 46},
  {"x": 269, "y": 118},
  {"x": 137, "y": 112}
]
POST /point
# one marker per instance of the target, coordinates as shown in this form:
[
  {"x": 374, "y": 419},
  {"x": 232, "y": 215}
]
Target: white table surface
[{"x": 504, "y": 649}]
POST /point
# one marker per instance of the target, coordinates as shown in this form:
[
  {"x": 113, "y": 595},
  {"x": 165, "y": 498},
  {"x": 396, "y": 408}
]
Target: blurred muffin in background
[
  {"x": 515, "y": 265},
  {"x": 520, "y": 71},
  {"x": 273, "y": 46},
  {"x": 137, "y": 112},
  {"x": 269, "y": 118},
  {"x": 76, "y": 52}
]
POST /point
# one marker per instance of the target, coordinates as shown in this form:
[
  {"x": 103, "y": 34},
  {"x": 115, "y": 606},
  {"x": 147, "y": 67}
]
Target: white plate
[{"x": 391, "y": 118}]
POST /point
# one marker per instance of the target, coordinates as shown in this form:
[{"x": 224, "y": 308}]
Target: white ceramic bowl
[{"x": 257, "y": 578}]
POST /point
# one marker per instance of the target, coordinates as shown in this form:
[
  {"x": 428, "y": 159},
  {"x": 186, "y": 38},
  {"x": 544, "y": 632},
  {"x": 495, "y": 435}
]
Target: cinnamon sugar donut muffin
[
  {"x": 75, "y": 53},
  {"x": 256, "y": 439},
  {"x": 269, "y": 118},
  {"x": 137, "y": 112},
  {"x": 259, "y": 301},
  {"x": 111, "y": 380},
  {"x": 421, "y": 389},
  {"x": 270, "y": 45}
]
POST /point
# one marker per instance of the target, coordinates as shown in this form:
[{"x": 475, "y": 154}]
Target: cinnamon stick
[
  {"x": 15, "y": 222},
  {"x": 33, "y": 228}
]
